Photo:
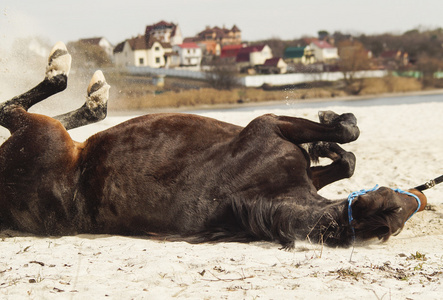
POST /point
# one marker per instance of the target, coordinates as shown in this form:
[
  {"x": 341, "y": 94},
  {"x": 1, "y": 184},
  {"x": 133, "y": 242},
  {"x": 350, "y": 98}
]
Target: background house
[
  {"x": 275, "y": 65},
  {"x": 394, "y": 59},
  {"x": 222, "y": 36},
  {"x": 165, "y": 32},
  {"x": 253, "y": 55},
  {"x": 142, "y": 51},
  {"x": 324, "y": 52},
  {"x": 190, "y": 54},
  {"x": 210, "y": 48},
  {"x": 299, "y": 55},
  {"x": 230, "y": 51}
]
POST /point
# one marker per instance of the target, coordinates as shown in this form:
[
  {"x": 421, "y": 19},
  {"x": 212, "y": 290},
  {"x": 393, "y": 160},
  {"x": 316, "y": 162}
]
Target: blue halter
[{"x": 354, "y": 195}]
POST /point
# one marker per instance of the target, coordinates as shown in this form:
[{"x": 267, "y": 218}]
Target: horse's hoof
[
  {"x": 348, "y": 118},
  {"x": 349, "y": 131},
  {"x": 59, "y": 62},
  {"x": 98, "y": 91},
  {"x": 327, "y": 117}
]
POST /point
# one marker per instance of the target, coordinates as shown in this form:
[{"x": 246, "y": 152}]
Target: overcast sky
[{"x": 118, "y": 20}]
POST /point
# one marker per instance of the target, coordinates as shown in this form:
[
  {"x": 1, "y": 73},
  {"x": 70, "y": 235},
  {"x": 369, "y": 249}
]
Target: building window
[
  {"x": 157, "y": 48},
  {"x": 157, "y": 60},
  {"x": 141, "y": 61}
]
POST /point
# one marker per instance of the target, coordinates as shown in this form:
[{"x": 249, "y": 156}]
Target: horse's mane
[{"x": 261, "y": 219}]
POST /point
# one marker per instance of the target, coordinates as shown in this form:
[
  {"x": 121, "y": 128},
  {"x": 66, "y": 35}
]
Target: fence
[
  {"x": 166, "y": 72},
  {"x": 257, "y": 80},
  {"x": 296, "y": 78}
]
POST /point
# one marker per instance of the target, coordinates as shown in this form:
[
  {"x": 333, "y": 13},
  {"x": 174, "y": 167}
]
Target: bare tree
[
  {"x": 353, "y": 58},
  {"x": 428, "y": 66},
  {"x": 222, "y": 76},
  {"x": 86, "y": 55}
]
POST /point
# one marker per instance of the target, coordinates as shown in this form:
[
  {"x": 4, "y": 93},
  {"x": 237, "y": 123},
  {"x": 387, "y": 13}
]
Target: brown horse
[{"x": 183, "y": 176}]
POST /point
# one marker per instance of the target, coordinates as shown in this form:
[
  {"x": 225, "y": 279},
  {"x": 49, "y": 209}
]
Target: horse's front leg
[
  {"x": 340, "y": 129},
  {"x": 343, "y": 164}
]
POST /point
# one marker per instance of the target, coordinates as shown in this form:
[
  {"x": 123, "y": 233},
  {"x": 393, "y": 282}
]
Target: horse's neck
[{"x": 330, "y": 224}]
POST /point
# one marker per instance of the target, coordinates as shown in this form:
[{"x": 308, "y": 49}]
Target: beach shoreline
[{"x": 206, "y": 107}]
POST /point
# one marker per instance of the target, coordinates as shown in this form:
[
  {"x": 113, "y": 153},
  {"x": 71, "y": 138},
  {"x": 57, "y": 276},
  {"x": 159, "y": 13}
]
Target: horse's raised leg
[
  {"x": 95, "y": 107},
  {"x": 56, "y": 79},
  {"x": 340, "y": 129},
  {"x": 342, "y": 166}
]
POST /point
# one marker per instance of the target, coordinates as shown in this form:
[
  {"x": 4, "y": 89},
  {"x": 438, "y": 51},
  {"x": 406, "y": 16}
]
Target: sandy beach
[{"x": 400, "y": 146}]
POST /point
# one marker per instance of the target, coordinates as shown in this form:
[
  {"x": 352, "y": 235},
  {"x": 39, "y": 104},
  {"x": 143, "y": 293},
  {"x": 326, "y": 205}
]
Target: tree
[
  {"x": 323, "y": 34},
  {"x": 353, "y": 58},
  {"x": 428, "y": 66},
  {"x": 222, "y": 76},
  {"x": 85, "y": 55}
]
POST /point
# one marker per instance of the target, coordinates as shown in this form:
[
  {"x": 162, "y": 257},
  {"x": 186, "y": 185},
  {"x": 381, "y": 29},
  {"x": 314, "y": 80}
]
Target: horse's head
[{"x": 383, "y": 212}]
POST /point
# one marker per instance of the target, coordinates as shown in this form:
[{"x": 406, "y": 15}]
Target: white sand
[{"x": 399, "y": 146}]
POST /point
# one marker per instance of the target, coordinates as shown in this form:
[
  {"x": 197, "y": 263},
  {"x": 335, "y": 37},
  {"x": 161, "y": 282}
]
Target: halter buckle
[{"x": 430, "y": 184}]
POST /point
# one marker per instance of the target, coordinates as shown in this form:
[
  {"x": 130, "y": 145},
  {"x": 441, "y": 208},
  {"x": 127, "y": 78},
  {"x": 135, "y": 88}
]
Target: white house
[
  {"x": 253, "y": 55},
  {"x": 275, "y": 65},
  {"x": 323, "y": 51},
  {"x": 189, "y": 54},
  {"x": 142, "y": 51}
]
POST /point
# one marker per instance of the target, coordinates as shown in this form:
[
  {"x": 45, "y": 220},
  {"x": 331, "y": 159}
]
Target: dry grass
[
  {"x": 138, "y": 93},
  {"x": 390, "y": 84}
]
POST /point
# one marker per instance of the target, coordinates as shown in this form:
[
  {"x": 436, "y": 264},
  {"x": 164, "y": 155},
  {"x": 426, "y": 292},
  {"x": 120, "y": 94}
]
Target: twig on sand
[{"x": 242, "y": 277}]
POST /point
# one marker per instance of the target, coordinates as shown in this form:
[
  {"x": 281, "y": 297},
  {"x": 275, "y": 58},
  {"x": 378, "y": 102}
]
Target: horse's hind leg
[
  {"x": 95, "y": 107},
  {"x": 55, "y": 81}
]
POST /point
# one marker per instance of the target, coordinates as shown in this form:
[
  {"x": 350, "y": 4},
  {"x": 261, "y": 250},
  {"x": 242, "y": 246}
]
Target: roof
[
  {"x": 188, "y": 45},
  {"x": 161, "y": 25},
  {"x": 235, "y": 29},
  {"x": 140, "y": 43},
  {"x": 230, "y": 50},
  {"x": 92, "y": 41},
  {"x": 119, "y": 47},
  {"x": 390, "y": 54},
  {"x": 294, "y": 52},
  {"x": 322, "y": 44},
  {"x": 189, "y": 40},
  {"x": 219, "y": 32},
  {"x": 272, "y": 62},
  {"x": 244, "y": 53},
  {"x": 233, "y": 47},
  {"x": 250, "y": 49}
]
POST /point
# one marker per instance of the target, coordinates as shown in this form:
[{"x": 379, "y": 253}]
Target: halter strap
[
  {"x": 351, "y": 198},
  {"x": 412, "y": 195},
  {"x": 354, "y": 195}
]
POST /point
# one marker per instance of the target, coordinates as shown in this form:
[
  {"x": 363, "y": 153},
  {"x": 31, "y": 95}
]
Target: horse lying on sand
[{"x": 183, "y": 176}]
